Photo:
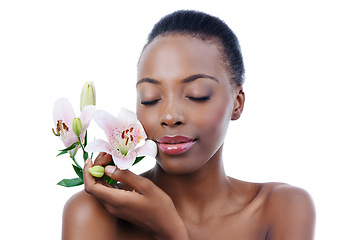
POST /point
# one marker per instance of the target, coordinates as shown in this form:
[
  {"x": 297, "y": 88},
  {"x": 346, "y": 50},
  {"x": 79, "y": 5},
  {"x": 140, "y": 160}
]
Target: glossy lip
[{"x": 175, "y": 145}]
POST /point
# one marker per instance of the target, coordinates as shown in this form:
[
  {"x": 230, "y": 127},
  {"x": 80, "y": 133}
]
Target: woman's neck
[{"x": 198, "y": 192}]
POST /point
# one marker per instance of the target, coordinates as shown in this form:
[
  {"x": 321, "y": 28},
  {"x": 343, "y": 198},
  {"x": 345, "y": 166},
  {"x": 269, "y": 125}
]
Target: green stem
[
  {"x": 82, "y": 146},
  {"x": 76, "y": 163},
  {"x": 85, "y": 154}
]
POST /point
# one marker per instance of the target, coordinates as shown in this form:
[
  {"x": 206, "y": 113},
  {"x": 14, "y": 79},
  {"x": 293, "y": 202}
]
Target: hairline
[{"x": 206, "y": 38}]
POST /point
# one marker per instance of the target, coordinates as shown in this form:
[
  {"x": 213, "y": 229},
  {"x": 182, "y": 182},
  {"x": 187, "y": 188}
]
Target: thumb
[{"x": 138, "y": 183}]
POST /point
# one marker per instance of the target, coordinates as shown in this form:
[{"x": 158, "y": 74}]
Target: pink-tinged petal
[
  {"x": 106, "y": 121},
  {"x": 70, "y": 139},
  {"x": 87, "y": 114},
  {"x": 127, "y": 117},
  {"x": 149, "y": 149},
  {"x": 139, "y": 132},
  {"x": 124, "y": 162},
  {"x": 99, "y": 145},
  {"x": 63, "y": 111},
  {"x": 85, "y": 118}
]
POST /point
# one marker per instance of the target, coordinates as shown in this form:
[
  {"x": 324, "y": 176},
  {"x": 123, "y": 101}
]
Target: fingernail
[
  {"x": 110, "y": 170},
  {"x": 87, "y": 161}
]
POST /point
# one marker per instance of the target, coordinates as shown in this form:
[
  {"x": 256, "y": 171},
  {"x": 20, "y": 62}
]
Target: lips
[{"x": 175, "y": 145}]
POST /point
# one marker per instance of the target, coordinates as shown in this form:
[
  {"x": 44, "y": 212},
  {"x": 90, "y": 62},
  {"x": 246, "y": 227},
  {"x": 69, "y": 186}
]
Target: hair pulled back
[{"x": 204, "y": 27}]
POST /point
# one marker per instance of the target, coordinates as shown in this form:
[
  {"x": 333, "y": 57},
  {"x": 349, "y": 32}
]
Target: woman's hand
[{"x": 146, "y": 206}]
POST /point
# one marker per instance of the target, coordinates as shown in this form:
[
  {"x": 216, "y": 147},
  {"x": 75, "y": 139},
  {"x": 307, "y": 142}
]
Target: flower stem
[
  {"x": 82, "y": 146},
  {"x": 76, "y": 163},
  {"x": 85, "y": 154}
]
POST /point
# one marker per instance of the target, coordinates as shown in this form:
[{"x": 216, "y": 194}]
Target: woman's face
[{"x": 185, "y": 101}]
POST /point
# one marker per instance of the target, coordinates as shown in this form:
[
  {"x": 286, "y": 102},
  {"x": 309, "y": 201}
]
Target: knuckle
[
  {"x": 115, "y": 210},
  {"x": 89, "y": 189},
  {"x": 145, "y": 184}
]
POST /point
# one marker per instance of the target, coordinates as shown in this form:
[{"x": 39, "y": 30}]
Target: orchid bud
[
  {"x": 88, "y": 95},
  {"x": 97, "y": 171},
  {"x": 77, "y": 126}
]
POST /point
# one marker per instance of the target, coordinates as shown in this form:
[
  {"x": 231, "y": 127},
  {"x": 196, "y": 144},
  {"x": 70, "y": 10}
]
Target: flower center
[
  {"x": 126, "y": 141},
  {"x": 61, "y": 129}
]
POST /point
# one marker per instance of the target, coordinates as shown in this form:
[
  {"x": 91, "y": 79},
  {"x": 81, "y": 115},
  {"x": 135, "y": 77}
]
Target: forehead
[{"x": 176, "y": 56}]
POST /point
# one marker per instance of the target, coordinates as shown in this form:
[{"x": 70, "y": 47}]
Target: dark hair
[{"x": 204, "y": 27}]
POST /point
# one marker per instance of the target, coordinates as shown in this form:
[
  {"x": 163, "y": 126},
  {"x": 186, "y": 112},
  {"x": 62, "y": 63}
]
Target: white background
[{"x": 301, "y": 119}]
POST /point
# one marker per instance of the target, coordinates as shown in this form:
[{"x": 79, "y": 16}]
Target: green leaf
[
  {"x": 70, "y": 148},
  {"x": 109, "y": 180},
  {"x": 85, "y": 140},
  {"x": 85, "y": 156},
  {"x": 70, "y": 182},
  {"x": 78, "y": 171},
  {"x": 61, "y": 153},
  {"x": 112, "y": 182},
  {"x": 138, "y": 159}
]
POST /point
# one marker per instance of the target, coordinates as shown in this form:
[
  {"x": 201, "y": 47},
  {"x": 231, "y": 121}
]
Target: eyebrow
[
  {"x": 148, "y": 80},
  {"x": 190, "y": 78},
  {"x": 197, "y": 76}
]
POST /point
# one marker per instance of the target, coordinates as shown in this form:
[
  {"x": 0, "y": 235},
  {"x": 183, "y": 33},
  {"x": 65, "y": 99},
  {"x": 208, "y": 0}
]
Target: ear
[{"x": 239, "y": 101}]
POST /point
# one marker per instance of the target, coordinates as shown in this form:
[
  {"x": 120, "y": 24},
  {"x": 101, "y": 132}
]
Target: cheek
[
  {"x": 147, "y": 120},
  {"x": 215, "y": 120}
]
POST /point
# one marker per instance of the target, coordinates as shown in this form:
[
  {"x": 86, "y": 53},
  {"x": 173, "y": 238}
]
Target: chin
[{"x": 178, "y": 165}]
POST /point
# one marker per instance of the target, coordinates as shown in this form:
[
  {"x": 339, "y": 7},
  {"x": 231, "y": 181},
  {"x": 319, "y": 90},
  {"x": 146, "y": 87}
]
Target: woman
[{"x": 189, "y": 87}]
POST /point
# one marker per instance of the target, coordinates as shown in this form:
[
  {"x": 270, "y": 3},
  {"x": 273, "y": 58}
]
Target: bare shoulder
[
  {"x": 290, "y": 211},
  {"x": 84, "y": 217},
  {"x": 282, "y": 196}
]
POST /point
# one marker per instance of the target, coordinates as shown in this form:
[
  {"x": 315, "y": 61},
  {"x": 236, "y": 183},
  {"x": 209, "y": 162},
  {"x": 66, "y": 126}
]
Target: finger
[
  {"x": 102, "y": 192},
  {"x": 103, "y": 159},
  {"x": 139, "y": 183},
  {"x": 89, "y": 180}
]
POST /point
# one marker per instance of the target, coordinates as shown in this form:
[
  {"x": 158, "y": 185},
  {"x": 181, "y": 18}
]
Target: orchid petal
[
  {"x": 99, "y": 145},
  {"x": 149, "y": 148}
]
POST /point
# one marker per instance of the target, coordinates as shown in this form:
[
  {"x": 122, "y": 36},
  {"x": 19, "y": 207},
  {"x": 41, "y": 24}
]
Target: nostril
[
  {"x": 164, "y": 124},
  {"x": 171, "y": 120}
]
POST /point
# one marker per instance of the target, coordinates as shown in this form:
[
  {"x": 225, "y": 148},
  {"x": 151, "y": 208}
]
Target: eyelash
[
  {"x": 152, "y": 102},
  {"x": 196, "y": 99},
  {"x": 199, "y": 99}
]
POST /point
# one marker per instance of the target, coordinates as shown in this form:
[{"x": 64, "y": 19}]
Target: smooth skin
[{"x": 184, "y": 88}]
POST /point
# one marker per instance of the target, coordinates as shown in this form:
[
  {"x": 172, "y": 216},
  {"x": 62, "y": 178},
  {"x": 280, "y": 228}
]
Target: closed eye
[
  {"x": 151, "y": 102},
  {"x": 199, "y": 99}
]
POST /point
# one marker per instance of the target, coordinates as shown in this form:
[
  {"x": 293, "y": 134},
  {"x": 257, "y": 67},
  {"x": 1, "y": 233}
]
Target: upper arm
[
  {"x": 84, "y": 217},
  {"x": 292, "y": 214}
]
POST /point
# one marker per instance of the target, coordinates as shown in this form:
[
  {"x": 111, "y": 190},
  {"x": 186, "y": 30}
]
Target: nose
[
  {"x": 170, "y": 121},
  {"x": 172, "y": 116}
]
